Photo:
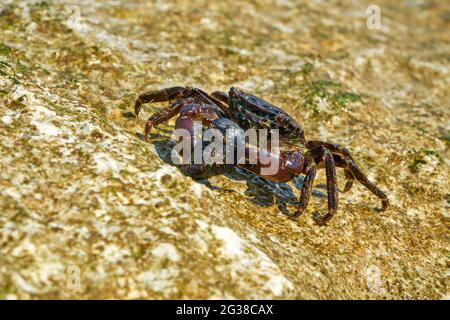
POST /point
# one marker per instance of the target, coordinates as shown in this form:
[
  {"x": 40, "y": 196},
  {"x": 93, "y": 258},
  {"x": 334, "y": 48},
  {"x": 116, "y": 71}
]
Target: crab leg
[
  {"x": 333, "y": 147},
  {"x": 172, "y": 93},
  {"x": 221, "y": 96},
  {"x": 185, "y": 95},
  {"x": 345, "y": 160},
  {"x": 336, "y": 149},
  {"x": 313, "y": 158},
  {"x": 158, "y": 96},
  {"x": 162, "y": 116},
  {"x": 332, "y": 191},
  {"x": 356, "y": 172},
  {"x": 308, "y": 182}
]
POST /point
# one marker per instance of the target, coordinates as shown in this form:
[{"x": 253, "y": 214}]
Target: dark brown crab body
[
  {"x": 241, "y": 110},
  {"x": 249, "y": 111}
]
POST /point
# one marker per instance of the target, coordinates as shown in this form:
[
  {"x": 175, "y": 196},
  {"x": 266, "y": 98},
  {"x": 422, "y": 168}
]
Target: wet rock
[{"x": 88, "y": 210}]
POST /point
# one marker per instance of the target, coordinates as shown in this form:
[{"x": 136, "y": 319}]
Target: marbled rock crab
[{"x": 240, "y": 109}]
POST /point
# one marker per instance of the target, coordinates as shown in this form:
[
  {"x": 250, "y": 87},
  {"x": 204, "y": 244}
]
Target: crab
[{"x": 242, "y": 110}]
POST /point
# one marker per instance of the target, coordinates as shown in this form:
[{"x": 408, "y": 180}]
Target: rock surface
[{"x": 88, "y": 210}]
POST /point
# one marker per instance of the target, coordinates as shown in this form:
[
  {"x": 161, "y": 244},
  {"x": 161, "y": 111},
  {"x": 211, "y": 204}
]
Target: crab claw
[{"x": 234, "y": 137}]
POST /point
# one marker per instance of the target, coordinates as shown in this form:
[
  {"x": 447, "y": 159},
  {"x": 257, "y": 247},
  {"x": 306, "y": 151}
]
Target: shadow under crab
[{"x": 259, "y": 191}]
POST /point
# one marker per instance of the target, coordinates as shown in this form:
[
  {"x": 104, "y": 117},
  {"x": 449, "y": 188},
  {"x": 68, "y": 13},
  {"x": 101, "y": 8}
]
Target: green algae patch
[
  {"x": 5, "y": 50},
  {"x": 423, "y": 157},
  {"x": 327, "y": 97}
]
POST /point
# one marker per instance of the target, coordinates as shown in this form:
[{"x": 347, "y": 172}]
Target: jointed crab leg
[
  {"x": 163, "y": 95},
  {"x": 336, "y": 149},
  {"x": 333, "y": 147},
  {"x": 173, "y": 93},
  {"x": 221, "y": 96},
  {"x": 344, "y": 159},
  {"x": 313, "y": 158},
  {"x": 356, "y": 172},
  {"x": 162, "y": 116},
  {"x": 307, "y": 186},
  {"x": 190, "y": 95},
  {"x": 332, "y": 191},
  {"x": 349, "y": 180}
]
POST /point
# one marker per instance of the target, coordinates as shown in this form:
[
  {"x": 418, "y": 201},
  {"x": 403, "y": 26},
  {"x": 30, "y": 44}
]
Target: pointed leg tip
[
  {"x": 322, "y": 220},
  {"x": 146, "y": 135},
  {"x": 136, "y": 112},
  {"x": 384, "y": 204},
  {"x": 137, "y": 107},
  {"x": 148, "y": 128},
  {"x": 292, "y": 216},
  {"x": 348, "y": 186}
]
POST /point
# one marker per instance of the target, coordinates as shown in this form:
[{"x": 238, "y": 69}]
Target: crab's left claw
[{"x": 234, "y": 138}]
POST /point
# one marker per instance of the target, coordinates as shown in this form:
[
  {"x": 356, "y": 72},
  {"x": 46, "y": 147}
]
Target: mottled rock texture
[{"x": 82, "y": 194}]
